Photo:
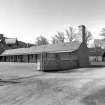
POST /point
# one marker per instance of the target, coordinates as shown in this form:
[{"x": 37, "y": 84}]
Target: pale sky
[{"x": 27, "y": 19}]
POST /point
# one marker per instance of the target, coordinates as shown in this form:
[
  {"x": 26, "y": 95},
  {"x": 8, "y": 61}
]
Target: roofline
[
  {"x": 17, "y": 54},
  {"x": 38, "y": 53}
]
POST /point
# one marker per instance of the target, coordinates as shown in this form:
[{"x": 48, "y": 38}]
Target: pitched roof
[
  {"x": 10, "y": 40},
  {"x": 51, "y": 48}
]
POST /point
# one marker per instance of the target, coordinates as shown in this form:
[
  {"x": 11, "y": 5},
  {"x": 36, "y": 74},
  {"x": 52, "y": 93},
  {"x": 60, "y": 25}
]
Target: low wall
[
  {"x": 53, "y": 65},
  {"x": 97, "y": 64}
]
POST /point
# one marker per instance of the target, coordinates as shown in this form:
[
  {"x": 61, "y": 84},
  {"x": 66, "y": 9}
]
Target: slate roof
[
  {"x": 51, "y": 48},
  {"x": 10, "y": 40}
]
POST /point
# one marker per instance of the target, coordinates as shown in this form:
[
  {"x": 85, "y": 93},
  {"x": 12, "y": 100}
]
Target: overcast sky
[{"x": 27, "y": 19}]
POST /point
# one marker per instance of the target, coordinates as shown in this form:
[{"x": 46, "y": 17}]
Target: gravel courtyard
[{"x": 21, "y": 84}]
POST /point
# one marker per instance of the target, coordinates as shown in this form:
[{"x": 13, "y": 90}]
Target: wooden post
[
  {"x": 28, "y": 57},
  {"x": 41, "y": 65}
]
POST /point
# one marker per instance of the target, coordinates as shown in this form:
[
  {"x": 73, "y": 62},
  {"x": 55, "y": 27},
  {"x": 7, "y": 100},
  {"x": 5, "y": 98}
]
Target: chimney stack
[{"x": 83, "y": 29}]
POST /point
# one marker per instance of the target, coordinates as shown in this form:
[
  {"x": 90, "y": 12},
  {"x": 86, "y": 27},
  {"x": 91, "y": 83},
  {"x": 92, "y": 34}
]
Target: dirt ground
[{"x": 21, "y": 84}]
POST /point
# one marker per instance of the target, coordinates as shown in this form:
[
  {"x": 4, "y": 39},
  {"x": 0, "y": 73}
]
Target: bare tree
[
  {"x": 97, "y": 43},
  {"x": 70, "y": 34},
  {"x": 41, "y": 40},
  {"x": 54, "y": 40},
  {"x": 88, "y": 35},
  {"x": 100, "y": 42},
  {"x": 58, "y": 38},
  {"x": 103, "y": 33}
]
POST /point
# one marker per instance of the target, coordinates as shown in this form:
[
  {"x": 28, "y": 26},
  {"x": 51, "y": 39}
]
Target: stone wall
[
  {"x": 59, "y": 61},
  {"x": 83, "y": 55}
]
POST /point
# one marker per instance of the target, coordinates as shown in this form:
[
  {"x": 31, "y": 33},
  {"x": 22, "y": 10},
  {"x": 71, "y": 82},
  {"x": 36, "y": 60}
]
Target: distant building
[
  {"x": 52, "y": 57},
  {"x": 11, "y": 43},
  {"x": 100, "y": 43},
  {"x": 96, "y": 54}
]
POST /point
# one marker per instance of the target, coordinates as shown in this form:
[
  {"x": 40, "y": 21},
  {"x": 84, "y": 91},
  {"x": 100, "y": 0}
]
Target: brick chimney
[{"x": 83, "y": 29}]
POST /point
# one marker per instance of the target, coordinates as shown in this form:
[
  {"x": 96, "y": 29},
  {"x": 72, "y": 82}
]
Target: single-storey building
[
  {"x": 53, "y": 56},
  {"x": 96, "y": 54}
]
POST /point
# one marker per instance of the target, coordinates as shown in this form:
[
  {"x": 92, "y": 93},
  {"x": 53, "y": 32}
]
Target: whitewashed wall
[{"x": 95, "y": 58}]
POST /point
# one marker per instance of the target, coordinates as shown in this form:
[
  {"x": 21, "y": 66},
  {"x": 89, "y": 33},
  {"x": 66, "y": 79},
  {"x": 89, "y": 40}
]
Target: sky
[{"x": 27, "y": 19}]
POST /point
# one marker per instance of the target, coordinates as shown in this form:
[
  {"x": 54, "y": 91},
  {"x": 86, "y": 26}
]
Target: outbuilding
[{"x": 50, "y": 57}]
